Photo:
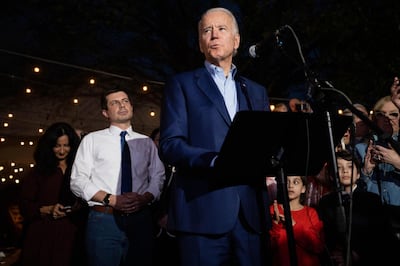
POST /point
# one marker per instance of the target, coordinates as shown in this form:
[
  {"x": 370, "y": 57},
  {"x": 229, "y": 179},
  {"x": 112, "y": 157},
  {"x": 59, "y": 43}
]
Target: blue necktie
[{"x": 126, "y": 171}]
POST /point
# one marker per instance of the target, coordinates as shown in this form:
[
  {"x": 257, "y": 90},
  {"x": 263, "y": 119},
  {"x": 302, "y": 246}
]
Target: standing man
[
  {"x": 214, "y": 226},
  {"x": 119, "y": 228}
]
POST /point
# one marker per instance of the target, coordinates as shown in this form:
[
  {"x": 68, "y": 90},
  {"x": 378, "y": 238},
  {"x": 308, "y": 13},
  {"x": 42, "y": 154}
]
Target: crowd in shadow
[{"x": 330, "y": 217}]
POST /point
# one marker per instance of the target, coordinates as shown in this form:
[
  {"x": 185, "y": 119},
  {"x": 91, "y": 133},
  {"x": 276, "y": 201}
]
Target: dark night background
[{"x": 353, "y": 44}]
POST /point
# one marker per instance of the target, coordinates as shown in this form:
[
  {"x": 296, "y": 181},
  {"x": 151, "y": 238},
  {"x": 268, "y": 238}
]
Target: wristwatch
[{"x": 106, "y": 199}]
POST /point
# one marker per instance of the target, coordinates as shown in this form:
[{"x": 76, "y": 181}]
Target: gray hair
[{"x": 226, "y": 11}]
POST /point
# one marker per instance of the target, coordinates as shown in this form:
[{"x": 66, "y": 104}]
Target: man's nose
[{"x": 214, "y": 33}]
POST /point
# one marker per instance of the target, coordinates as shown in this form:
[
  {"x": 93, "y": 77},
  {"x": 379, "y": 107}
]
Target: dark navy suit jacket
[{"x": 194, "y": 123}]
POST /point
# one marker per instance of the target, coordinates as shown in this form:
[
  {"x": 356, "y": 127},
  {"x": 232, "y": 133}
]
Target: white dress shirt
[
  {"x": 97, "y": 164},
  {"x": 226, "y": 85}
]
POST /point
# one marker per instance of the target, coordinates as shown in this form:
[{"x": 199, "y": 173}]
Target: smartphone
[
  {"x": 379, "y": 141},
  {"x": 66, "y": 209}
]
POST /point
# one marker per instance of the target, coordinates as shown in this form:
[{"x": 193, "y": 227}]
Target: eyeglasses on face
[{"x": 392, "y": 115}]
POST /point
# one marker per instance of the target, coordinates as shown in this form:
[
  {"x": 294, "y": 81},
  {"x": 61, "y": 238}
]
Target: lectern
[{"x": 261, "y": 144}]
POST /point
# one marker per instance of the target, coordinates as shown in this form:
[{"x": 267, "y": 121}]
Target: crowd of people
[{"x": 171, "y": 205}]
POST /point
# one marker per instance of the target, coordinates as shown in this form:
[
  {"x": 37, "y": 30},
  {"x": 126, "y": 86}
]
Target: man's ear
[
  {"x": 201, "y": 47},
  {"x": 104, "y": 113},
  {"x": 237, "y": 41}
]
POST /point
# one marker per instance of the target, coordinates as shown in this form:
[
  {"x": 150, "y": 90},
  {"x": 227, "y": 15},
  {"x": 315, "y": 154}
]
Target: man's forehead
[
  {"x": 117, "y": 95},
  {"x": 216, "y": 19}
]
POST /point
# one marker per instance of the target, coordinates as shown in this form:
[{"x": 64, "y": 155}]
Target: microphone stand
[
  {"x": 341, "y": 218},
  {"x": 341, "y": 221},
  {"x": 316, "y": 92},
  {"x": 371, "y": 125},
  {"x": 282, "y": 181}
]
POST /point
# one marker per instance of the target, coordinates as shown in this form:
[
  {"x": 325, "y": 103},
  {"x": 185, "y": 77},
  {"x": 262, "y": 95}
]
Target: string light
[
  {"x": 29, "y": 90},
  {"x": 13, "y": 172}
]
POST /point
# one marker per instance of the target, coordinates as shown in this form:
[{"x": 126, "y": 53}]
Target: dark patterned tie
[{"x": 126, "y": 172}]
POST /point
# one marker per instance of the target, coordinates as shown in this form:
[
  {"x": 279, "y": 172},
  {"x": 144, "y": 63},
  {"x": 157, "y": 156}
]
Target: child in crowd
[
  {"x": 307, "y": 227},
  {"x": 371, "y": 242}
]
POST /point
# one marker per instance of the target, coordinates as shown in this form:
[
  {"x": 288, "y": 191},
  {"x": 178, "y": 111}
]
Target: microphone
[{"x": 257, "y": 49}]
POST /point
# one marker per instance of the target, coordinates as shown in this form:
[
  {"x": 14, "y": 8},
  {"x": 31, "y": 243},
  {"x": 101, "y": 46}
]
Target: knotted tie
[{"x": 126, "y": 172}]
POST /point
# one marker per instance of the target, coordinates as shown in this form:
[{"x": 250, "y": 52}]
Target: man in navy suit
[{"x": 215, "y": 225}]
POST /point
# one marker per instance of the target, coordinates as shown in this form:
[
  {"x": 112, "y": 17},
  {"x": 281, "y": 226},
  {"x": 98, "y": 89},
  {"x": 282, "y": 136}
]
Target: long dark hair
[{"x": 45, "y": 159}]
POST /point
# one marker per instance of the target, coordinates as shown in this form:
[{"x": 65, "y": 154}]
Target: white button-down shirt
[{"x": 98, "y": 163}]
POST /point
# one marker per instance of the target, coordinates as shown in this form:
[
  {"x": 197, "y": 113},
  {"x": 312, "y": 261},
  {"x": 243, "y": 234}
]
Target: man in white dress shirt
[{"x": 119, "y": 226}]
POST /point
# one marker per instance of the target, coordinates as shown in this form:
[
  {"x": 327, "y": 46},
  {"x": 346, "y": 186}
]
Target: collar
[
  {"x": 116, "y": 130},
  {"x": 217, "y": 71}
]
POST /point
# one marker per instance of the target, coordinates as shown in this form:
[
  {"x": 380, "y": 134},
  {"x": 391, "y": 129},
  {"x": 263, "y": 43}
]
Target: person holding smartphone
[
  {"x": 381, "y": 161},
  {"x": 53, "y": 217}
]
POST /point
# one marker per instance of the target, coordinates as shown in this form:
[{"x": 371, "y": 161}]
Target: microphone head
[{"x": 252, "y": 51}]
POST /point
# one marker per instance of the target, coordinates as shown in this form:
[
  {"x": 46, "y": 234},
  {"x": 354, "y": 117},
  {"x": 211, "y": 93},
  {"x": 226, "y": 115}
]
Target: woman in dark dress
[{"x": 53, "y": 217}]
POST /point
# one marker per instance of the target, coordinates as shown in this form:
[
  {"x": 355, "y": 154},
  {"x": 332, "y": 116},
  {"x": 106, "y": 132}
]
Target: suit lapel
[
  {"x": 210, "y": 89},
  {"x": 242, "y": 101}
]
